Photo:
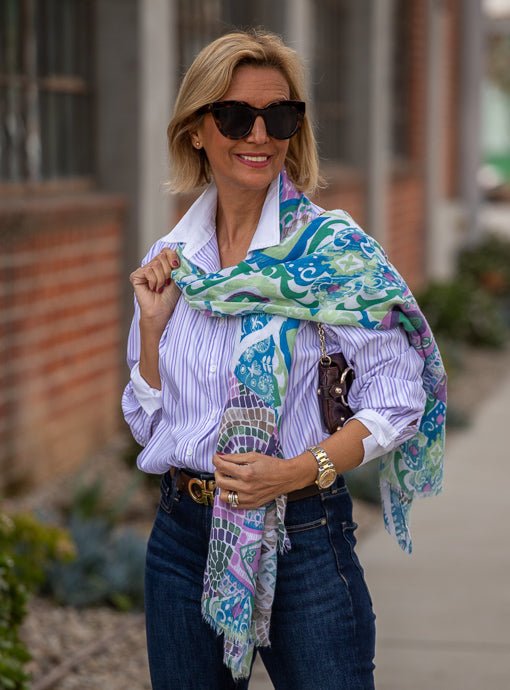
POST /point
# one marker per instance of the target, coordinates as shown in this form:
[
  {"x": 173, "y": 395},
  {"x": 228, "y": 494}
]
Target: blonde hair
[{"x": 209, "y": 78}]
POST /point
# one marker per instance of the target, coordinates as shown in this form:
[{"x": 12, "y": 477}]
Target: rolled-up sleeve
[
  {"x": 387, "y": 394},
  {"x": 149, "y": 398}
]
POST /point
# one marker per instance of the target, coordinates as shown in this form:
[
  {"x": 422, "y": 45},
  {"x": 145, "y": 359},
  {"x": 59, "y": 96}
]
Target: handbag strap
[{"x": 325, "y": 358}]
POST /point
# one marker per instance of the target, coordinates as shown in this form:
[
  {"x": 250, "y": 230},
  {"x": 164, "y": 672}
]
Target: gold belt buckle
[{"x": 202, "y": 490}]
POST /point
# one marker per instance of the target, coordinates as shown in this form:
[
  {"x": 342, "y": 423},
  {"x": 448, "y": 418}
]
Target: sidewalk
[{"x": 443, "y": 614}]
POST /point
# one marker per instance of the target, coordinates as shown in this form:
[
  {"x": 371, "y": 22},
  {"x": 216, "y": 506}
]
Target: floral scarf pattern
[{"x": 324, "y": 269}]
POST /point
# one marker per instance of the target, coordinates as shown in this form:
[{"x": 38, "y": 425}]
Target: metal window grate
[
  {"x": 45, "y": 90},
  {"x": 330, "y": 66},
  {"x": 401, "y": 80},
  {"x": 201, "y": 21}
]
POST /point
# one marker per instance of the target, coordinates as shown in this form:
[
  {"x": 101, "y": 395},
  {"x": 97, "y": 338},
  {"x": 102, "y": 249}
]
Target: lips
[
  {"x": 254, "y": 159},
  {"x": 259, "y": 160}
]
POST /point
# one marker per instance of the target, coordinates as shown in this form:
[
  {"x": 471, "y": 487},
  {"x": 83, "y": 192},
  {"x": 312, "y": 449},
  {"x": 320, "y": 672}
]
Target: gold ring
[{"x": 233, "y": 499}]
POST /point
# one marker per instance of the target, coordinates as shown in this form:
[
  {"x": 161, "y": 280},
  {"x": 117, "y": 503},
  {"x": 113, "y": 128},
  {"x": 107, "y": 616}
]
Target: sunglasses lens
[
  {"x": 234, "y": 121},
  {"x": 282, "y": 121}
]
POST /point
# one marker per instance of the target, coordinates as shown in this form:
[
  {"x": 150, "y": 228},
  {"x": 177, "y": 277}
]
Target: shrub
[
  {"x": 488, "y": 265},
  {"x": 462, "y": 311},
  {"x": 109, "y": 563},
  {"x": 26, "y": 546}
]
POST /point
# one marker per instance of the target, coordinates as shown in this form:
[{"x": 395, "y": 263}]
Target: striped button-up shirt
[{"x": 178, "y": 425}]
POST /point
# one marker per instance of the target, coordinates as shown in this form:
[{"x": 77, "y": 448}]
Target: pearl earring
[{"x": 198, "y": 144}]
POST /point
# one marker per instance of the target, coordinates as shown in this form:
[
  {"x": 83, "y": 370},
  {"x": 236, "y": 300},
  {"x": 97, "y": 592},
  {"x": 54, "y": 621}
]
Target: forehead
[{"x": 257, "y": 86}]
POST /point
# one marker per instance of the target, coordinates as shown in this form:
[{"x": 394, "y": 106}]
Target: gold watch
[{"x": 326, "y": 474}]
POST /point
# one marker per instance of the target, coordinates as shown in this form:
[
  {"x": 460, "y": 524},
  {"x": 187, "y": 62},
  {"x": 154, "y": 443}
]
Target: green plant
[
  {"x": 462, "y": 311},
  {"x": 487, "y": 265},
  {"x": 26, "y": 546},
  {"x": 89, "y": 500},
  {"x": 108, "y": 568},
  {"x": 13, "y": 653},
  {"x": 109, "y": 563}
]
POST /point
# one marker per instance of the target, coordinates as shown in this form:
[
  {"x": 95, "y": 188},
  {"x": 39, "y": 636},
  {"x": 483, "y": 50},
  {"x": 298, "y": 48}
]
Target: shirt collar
[{"x": 197, "y": 226}]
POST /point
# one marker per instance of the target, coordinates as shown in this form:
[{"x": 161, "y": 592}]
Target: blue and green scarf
[{"x": 325, "y": 269}]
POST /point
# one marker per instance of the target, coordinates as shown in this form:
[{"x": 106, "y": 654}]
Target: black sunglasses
[{"x": 235, "y": 119}]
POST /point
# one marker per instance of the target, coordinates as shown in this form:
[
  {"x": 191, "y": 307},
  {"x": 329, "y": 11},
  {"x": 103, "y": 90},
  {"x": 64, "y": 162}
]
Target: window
[
  {"x": 45, "y": 90},
  {"x": 331, "y": 88},
  {"x": 400, "y": 104},
  {"x": 201, "y": 21}
]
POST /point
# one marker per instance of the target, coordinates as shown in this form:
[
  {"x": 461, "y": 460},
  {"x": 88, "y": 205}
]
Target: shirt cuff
[
  {"x": 382, "y": 434},
  {"x": 150, "y": 399}
]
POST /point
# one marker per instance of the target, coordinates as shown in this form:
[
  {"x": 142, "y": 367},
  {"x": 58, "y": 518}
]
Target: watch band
[{"x": 326, "y": 474}]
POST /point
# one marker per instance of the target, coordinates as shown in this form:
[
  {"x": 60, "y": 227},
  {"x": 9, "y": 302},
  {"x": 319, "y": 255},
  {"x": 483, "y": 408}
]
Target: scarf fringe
[
  {"x": 396, "y": 505},
  {"x": 238, "y": 664}
]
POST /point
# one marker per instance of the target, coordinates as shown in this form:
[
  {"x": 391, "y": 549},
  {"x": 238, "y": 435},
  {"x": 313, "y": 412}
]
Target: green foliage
[
  {"x": 26, "y": 546},
  {"x": 13, "y": 653},
  {"x": 488, "y": 265},
  {"x": 89, "y": 501},
  {"x": 462, "y": 311},
  {"x": 109, "y": 564},
  {"x": 474, "y": 308}
]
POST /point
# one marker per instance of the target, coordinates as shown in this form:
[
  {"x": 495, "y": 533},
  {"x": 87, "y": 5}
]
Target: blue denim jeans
[{"x": 322, "y": 626}]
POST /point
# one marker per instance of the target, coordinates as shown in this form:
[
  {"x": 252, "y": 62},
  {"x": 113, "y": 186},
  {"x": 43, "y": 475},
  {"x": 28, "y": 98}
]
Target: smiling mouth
[{"x": 253, "y": 159}]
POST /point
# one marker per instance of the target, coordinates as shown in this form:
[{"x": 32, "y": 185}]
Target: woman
[{"x": 254, "y": 536}]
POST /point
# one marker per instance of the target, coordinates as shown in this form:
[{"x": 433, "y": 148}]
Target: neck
[{"x": 237, "y": 217}]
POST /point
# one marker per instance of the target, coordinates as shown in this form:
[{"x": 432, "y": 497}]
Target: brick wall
[
  {"x": 406, "y": 228},
  {"x": 59, "y": 332}
]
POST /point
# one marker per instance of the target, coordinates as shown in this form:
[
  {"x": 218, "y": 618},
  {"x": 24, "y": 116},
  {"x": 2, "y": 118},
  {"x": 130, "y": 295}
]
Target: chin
[{"x": 257, "y": 180}]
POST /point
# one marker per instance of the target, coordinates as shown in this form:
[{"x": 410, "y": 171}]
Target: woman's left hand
[{"x": 257, "y": 478}]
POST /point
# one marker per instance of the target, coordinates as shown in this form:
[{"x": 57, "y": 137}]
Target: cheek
[
  {"x": 212, "y": 140},
  {"x": 283, "y": 150}
]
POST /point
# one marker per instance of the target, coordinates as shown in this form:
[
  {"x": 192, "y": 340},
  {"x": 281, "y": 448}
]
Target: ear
[{"x": 196, "y": 140}]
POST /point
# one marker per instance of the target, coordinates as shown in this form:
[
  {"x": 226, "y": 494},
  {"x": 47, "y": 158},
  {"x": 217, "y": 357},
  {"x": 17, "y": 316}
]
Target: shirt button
[
  {"x": 189, "y": 452},
  {"x": 213, "y": 368}
]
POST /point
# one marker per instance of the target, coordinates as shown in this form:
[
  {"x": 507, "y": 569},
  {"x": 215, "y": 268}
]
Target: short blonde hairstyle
[{"x": 208, "y": 79}]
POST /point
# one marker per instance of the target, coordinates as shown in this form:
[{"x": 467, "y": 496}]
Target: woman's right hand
[{"x": 155, "y": 291}]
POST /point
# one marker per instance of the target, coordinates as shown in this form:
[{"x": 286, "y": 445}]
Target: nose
[{"x": 258, "y": 134}]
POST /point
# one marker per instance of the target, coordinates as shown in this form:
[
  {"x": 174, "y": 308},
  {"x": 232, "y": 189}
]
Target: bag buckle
[{"x": 202, "y": 490}]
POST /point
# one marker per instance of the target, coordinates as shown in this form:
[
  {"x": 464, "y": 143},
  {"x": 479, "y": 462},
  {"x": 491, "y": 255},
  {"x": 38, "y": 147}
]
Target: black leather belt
[{"x": 201, "y": 487}]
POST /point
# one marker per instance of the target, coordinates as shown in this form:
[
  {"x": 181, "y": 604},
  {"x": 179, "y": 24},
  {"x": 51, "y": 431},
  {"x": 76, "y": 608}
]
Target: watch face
[{"x": 326, "y": 478}]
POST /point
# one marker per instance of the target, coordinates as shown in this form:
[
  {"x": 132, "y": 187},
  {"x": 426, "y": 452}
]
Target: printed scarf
[{"x": 324, "y": 269}]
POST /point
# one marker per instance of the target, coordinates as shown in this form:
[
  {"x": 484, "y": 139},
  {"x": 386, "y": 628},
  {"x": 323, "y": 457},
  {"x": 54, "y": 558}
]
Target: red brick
[{"x": 60, "y": 288}]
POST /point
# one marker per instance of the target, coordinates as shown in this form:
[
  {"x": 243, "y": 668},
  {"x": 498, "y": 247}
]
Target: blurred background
[{"x": 411, "y": 104}]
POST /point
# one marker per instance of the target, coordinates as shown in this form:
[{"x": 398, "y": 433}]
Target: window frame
[{"x": 25, "y": 157}]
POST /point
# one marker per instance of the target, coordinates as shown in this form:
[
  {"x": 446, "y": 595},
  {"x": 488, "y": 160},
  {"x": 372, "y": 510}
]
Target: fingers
[
  {"x": 156, "y": 274},
  {"x": 224, "y": 481},
  {"x": 224, "y": 494},
  {"x": 234, "y": 460},
  {"x": 160, "y": 268},
  {"x": 244, "y": 500}
]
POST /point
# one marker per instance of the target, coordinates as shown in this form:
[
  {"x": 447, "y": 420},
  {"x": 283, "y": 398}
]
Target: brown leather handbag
[{"x": 335, "y": 380}]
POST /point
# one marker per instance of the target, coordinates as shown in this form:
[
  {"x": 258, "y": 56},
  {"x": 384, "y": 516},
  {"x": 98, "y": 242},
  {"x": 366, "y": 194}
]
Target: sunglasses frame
[{"x": 300, "y": 107}]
